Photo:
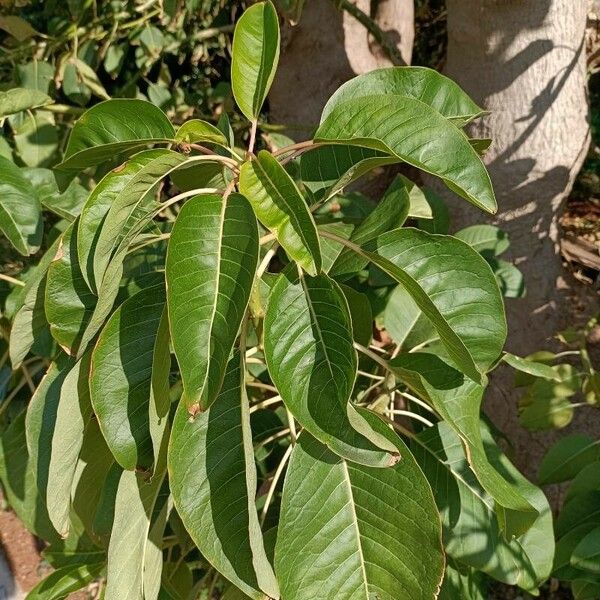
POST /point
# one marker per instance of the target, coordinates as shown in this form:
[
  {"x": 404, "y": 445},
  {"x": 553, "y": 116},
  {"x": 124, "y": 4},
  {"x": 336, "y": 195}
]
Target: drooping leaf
[
  {"x": 458, "y": 401},
  {"x": 97, "y": 205},
  {"x": 414, "y": 133},
  {"x": 69, "y": 303},
  {"x": 468, "y": 512},
  {"x": 62, "y": 582},
  {"x": 351, "y": 531},
  {"x": 29, "y": 328},
  {"x": 213, "y": 481},
  {"x": 419, "y": 83},
  {"x": 567, "y": 457},
  {"x": 121, "y": 377},
  {"x": 255, "y": 55},
  {"x": 531, "y": 367},
  {"x": 112, "y": 127},
  {"x": 72, "y": 416},
  {"x": 280, "y": 207},
  {"x": 311, "y": 359},
  {"x": 211, "y": 261},
  {"x": 196, "y": 130},
  {"x": 132, "y": 207},
  {"x": 17, "y": 99},
  {"x": 20, "y": 211}
]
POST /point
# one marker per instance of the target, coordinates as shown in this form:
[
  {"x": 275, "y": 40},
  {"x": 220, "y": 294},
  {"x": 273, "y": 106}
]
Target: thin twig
[
  {"x": 274, "y": 482},
  {"x": 12, "y": 280}
]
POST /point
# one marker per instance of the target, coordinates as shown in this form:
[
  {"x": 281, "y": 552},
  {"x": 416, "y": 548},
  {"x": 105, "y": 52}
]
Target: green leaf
[
  {"x": 17, "y": 99},
  {"x": 35, "y": 75},
  {"x": 415, "y": 133},
  {"x": 311, "y": 359},
  {"x": 29, "y": 328},
  {"x": 20, "y": 211},
  {"x": 329, "y": 169},
  {"x": 458, "y": 402},
  {"x": 255, "y": 55},
  {"x": 531, "y": 367},
  {"x": 94, "y": 211},
  {"x": 586, "y": 555},
  {"x": 62, "y": 582},
  {"x": 351, "y": 531},
  {"x": 69, "y": 302},
  {"x": 73, "y": 87},
  {"x": 112, "y": 127},
  {"x": 567, "y": 457},
  {"x": 19, "y": 28},
  {"x": 134, "y": 505},
  {"x": 211, "y": 261},
  {"x": 390, "y": 213},
  {"x": 468, "y": 512},
  {"x": 72, "y": 416},
  {"x": 419, "y": 83},
  {"x": 582, "y": 509},
  {"x": 132, "y": 207},
  {"x": 360, "y": 313},
  {"x": 121, "y": 377},
  {"x": 213, "y": 482},
  {"x": 419, "y": 206},
  {"x": 488, "y": 240},
  {"x": 196, "y": 130},
  {"x": 280, "y": 207},
  {"x": 36, "y": 138}
]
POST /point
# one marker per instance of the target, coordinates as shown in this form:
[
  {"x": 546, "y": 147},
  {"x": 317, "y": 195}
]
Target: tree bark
[
  {"x": 524, "y": 61},
  {"x": 328, "y": 47}
]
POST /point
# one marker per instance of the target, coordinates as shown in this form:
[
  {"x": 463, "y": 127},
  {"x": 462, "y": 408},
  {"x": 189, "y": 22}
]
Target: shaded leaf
[
  {"x": 196, "y": 130},
  {"x": 17, "y": 99},
  {"x": 65, "y": 580},
  {"x": 567, "y": 457}
]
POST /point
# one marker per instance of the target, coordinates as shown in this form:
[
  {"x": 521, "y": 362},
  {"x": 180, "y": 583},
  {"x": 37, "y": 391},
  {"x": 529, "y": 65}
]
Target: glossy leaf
[
  {"x": 17, "y": 99},
  {"x": 390, "y": 213},
  {"x": 415, "y": 133},
  {"x": 458, "y": 402},
  {"x": 211, "y": 261},
  {"x": 132, "y": 208},
  {"x": 121, "y": 377},
  {"x": 311, "y": 359},
  {"x": 419, "y": 83},
  {"x": 255, "y": 54},
  {"x": 20, "y": 210},
  {"x": 351, "y": 531},
  {"x": 112, "y": 127},
  {"x": 213, "y": 481},
  {"x": 280, "y": 207},
  {"x": 468, "y": 512},
  {"x": 97, "y": 205}
]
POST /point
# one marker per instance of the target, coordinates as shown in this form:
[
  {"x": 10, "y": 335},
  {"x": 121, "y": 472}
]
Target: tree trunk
[
  {"x": 327, "y": 48},
  {"x": 524, "y": 60}
]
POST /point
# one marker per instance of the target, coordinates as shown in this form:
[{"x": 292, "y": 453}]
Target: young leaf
[
  {"x": 121, "y": 377},
  {"x": 350, "y": 531},
  {"x": 419, "y": 83},
  {"x": 467, "y": 510},
  {"x": 311, "y": 359},
  {"x": 211, "y": 261},
  {"x": 415, "y": 133},
  {"x": 20, "y": 210},
  {"x": 255, "y": 55},
  {"x": 280, "y": 207},
  {"x": 213, "y": 482},
  {"x": 458, "y": 402},
  {"x": 112, "y": 127},
  {"x": 196, "y": 130}
]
